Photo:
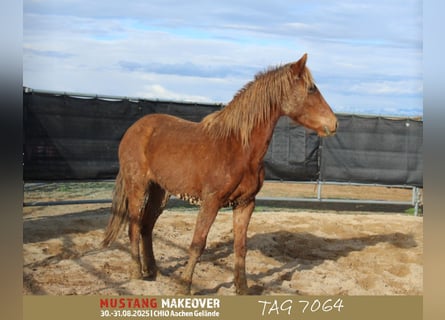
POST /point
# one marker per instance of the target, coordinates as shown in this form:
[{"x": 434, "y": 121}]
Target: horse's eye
[{"x": 312, "y": 89}]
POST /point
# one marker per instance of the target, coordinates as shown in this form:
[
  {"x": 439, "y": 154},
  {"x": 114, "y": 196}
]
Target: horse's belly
[{"x": 190, "y": 170}]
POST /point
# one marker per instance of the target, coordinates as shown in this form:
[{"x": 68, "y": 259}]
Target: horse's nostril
[{"x": 329, "y": 131}]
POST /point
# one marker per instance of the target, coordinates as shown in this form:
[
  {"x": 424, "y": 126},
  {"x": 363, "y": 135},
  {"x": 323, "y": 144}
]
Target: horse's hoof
[
  {"x": 254, "y": 290},
  {"x": 184, "y": 288},
  {"x": 242, "y": 292},
  {"x": 182, "y": 292},
  {"x": 150, "y": 275}
]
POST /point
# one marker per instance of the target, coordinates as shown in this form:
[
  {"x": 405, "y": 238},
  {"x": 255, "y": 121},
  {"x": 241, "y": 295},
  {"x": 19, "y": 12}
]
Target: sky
[{"x": 365, "y": 56}]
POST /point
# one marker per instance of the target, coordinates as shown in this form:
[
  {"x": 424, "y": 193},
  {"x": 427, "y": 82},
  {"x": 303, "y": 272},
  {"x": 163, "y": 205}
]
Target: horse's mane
[{"x": 254, "y": 103}]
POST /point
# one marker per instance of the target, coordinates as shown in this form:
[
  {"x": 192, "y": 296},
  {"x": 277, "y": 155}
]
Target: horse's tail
[{"x": 119, "y": 212}]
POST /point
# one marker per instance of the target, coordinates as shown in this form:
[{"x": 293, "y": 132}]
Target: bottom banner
[{"x": 222, "y": 307}]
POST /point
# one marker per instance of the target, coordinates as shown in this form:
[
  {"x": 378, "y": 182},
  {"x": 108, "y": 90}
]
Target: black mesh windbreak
[
  {"x": 374, "y": 150},
  {"x": 77, "y": 138},
  {"x": 292, "y": 153}
]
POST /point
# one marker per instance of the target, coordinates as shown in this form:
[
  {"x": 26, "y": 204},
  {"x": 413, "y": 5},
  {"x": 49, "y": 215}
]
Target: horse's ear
[{"x": 298, "y": 67}]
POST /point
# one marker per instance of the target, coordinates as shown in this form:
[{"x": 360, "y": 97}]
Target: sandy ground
[{"x": 289, "y": 252}]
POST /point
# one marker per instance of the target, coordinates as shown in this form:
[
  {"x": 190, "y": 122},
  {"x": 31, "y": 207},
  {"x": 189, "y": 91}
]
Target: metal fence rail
[{"x": 415, "y": 202}]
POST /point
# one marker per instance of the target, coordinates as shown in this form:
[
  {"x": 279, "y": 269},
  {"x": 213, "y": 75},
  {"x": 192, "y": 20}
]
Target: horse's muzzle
[{"x": 329, "y": 132}]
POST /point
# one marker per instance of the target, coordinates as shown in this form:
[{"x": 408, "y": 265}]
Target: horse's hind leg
[
  {"x": 136, "y": 201},
  {"x": 134, "y": 232},
  {"x": 156, "y": 200}
]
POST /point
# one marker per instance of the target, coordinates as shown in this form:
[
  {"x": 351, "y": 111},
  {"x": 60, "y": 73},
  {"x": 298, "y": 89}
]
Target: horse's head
[{"x": 305, "y": 104}]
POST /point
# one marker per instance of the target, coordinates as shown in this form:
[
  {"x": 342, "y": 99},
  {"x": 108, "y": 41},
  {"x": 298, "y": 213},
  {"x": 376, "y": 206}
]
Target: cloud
[
  {"x": 157, "y": 91},
  {"x": 359, "y": 52},
  {"x": 47, "y": 53},
  {"x": 400, "y": 87},
  {"x": 188, "y": 69}
]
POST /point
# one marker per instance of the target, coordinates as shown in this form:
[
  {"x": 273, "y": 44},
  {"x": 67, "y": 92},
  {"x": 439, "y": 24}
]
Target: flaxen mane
[{"x": 254, "y": 103}]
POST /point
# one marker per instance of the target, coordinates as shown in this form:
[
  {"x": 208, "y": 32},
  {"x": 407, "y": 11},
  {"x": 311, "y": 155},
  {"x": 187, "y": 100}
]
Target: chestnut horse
[{"x": 215, "y": 163}]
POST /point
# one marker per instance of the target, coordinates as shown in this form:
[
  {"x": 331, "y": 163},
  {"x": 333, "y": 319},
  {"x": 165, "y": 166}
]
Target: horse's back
[
  {"x": 139, "y": 134},
  {"x": 157, "y": 121}
]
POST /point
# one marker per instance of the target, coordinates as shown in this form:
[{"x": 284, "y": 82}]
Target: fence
[{"x": 75, "y": 137}]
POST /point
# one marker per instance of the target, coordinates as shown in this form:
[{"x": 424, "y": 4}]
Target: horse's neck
[{"x": 261, "y": 136}]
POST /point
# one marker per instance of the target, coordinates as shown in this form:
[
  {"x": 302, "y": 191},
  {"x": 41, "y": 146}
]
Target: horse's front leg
[
  {"x": 206, "y": 217},
  {"x": 241, "y": 218}
]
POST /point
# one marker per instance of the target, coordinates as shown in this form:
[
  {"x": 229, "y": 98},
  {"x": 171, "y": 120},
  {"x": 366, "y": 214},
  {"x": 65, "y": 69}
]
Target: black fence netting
[
  {"x": 77, "y": 138},
  {"x": 374, "y": 150},
  {"x": 293, "y": 153}
]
